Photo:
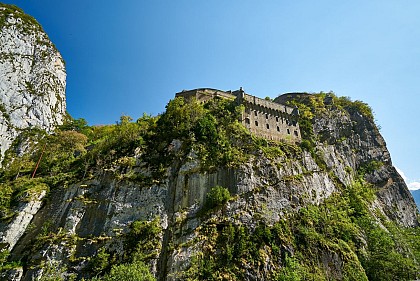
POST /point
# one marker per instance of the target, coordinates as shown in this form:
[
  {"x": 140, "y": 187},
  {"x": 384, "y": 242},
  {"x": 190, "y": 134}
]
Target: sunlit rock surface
[{"x": 32, "y": 77}]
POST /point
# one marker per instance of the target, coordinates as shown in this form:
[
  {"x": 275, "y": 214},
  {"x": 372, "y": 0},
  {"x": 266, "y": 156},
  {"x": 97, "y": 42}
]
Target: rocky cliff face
[
  {"x": 81, "y": 219},
  {"x": 32, "y": 77}
]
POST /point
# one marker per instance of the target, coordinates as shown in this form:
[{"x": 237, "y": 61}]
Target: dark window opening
[
  {"x": 278, "y": 129},
  {"x": 296, "y": 133},
  {"x": 255, "y": 112},
  {"x": 277, "y": 119},
  {"x": 288, "y": 131},
  {"x": 268, "y": 126},
  {"x": 266, "y": 116},
  {"x": 256, "y": 123},
  {"x": 247, "y": 121}
]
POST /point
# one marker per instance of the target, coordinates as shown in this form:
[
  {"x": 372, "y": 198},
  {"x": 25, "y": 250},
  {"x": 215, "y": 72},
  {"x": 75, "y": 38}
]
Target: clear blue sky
[{"x": 132, "y": 56}]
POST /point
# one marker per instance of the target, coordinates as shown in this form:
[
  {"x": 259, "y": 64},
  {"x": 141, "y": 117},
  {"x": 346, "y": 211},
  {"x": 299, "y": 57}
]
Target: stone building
[{"x": 262, "y": 117}]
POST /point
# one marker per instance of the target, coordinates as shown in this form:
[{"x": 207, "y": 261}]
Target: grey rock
[{"x": 32, "y": 78}]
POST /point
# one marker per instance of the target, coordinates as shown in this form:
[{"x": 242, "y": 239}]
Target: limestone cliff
[{"x": 32, "y": 77}]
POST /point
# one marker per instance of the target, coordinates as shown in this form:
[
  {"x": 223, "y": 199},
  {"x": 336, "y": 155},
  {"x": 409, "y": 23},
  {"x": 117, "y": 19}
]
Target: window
[
  {"x": 255, "y": 112},
  {"x": 266, "y": 116},
  {"x": 278, "y": 129},
  {"x": 268, "y": 126},
  {"x": 288, "y": 131},
  {"x": 277, "y": 119},
  {"x": 247, "y": 121},
  {"x": 296, "y": 133},
  {"x": 256, "y": 123}
]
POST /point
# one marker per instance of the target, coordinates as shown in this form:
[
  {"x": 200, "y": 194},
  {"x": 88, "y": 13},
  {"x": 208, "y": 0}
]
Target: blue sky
[{"x": 132, "y": 57}]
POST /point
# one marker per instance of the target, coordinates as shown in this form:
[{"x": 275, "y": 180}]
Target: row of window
[{"x": 247, "y": 121}]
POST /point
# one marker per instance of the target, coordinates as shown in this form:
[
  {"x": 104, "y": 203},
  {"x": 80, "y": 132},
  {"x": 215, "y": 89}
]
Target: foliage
[
  {"x": 21, "y": 189},
  {"x": 141, "y": 245},
  {"x": 143, "y": 240},
  {"x": 79, "y": 125},
  {"x": 128, "y": 272},
  {"x": 216, "y": 197},
  {"x": 359, "y": 106},
  {"x": 369, "y": 167},
  {"x": 291, "y": 271},
  {"x": 100, "y": 261},
  {"x": 109, "y": 143},
  {"x": 211, "y": 130},
  {"x": 58, "y": 151},
  {"x": 4, "y": 263},
  {"x": 53, "y": 271}
]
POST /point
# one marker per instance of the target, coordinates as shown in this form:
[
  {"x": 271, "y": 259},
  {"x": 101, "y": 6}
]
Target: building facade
[{"x": 265, "y": 118}]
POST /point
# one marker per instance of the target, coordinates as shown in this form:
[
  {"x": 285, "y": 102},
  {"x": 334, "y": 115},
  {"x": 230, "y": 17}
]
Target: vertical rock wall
[{"x": 32, "y": 77}]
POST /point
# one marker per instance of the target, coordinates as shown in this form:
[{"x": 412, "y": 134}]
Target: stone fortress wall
[{"x": 264, "y": 118}]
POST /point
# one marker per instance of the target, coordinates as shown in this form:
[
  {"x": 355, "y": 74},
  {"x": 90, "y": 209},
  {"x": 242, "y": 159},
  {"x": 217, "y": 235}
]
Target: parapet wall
[{"x": 205, "y": 94}]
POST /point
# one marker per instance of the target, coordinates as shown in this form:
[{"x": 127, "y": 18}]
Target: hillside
[{"x": 191, "y": 194}]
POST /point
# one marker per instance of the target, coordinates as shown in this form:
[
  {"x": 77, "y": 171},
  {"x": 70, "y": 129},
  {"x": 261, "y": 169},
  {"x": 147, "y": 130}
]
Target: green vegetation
[
  {"x": 128, "y": 272},
  {"x": 143, "y": 241},
  {"x": 211, "y": 130},
  {"x": 340, "y": 238},
  {"x": 369, "y": 167},
  {"x": 142, "y": 244},
  {"x": 217, "y": 196}
]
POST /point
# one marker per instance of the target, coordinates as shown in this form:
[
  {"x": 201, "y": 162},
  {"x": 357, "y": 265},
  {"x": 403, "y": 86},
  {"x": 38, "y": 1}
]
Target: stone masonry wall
[{"x": 262, "y": 117}]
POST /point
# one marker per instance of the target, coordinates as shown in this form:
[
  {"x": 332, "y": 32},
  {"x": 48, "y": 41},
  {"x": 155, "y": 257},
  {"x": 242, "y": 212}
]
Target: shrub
[
  {"x": 218, "y": 196},
  {"x": 137, "y": 271}
]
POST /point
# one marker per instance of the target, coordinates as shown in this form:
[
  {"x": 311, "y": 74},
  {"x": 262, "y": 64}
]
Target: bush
[
  {"x": 218, "y": 196},
  {"x": 137, "y": 271},
  {"x": 100, "y": 261},
  {"x": 143, "y": 241}
]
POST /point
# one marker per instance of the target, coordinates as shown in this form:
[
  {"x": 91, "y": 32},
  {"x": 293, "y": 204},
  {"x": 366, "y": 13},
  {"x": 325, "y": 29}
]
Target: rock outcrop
[{"x": 32, "y": 77}]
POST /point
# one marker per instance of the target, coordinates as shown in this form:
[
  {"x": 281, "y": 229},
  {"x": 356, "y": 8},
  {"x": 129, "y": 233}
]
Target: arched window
[
  {"x": 268, "y": 126},
  {"x": 256, "y": 123},
  {"x": 278, "y": 129},
  {"x": 288, "y": 131}
]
